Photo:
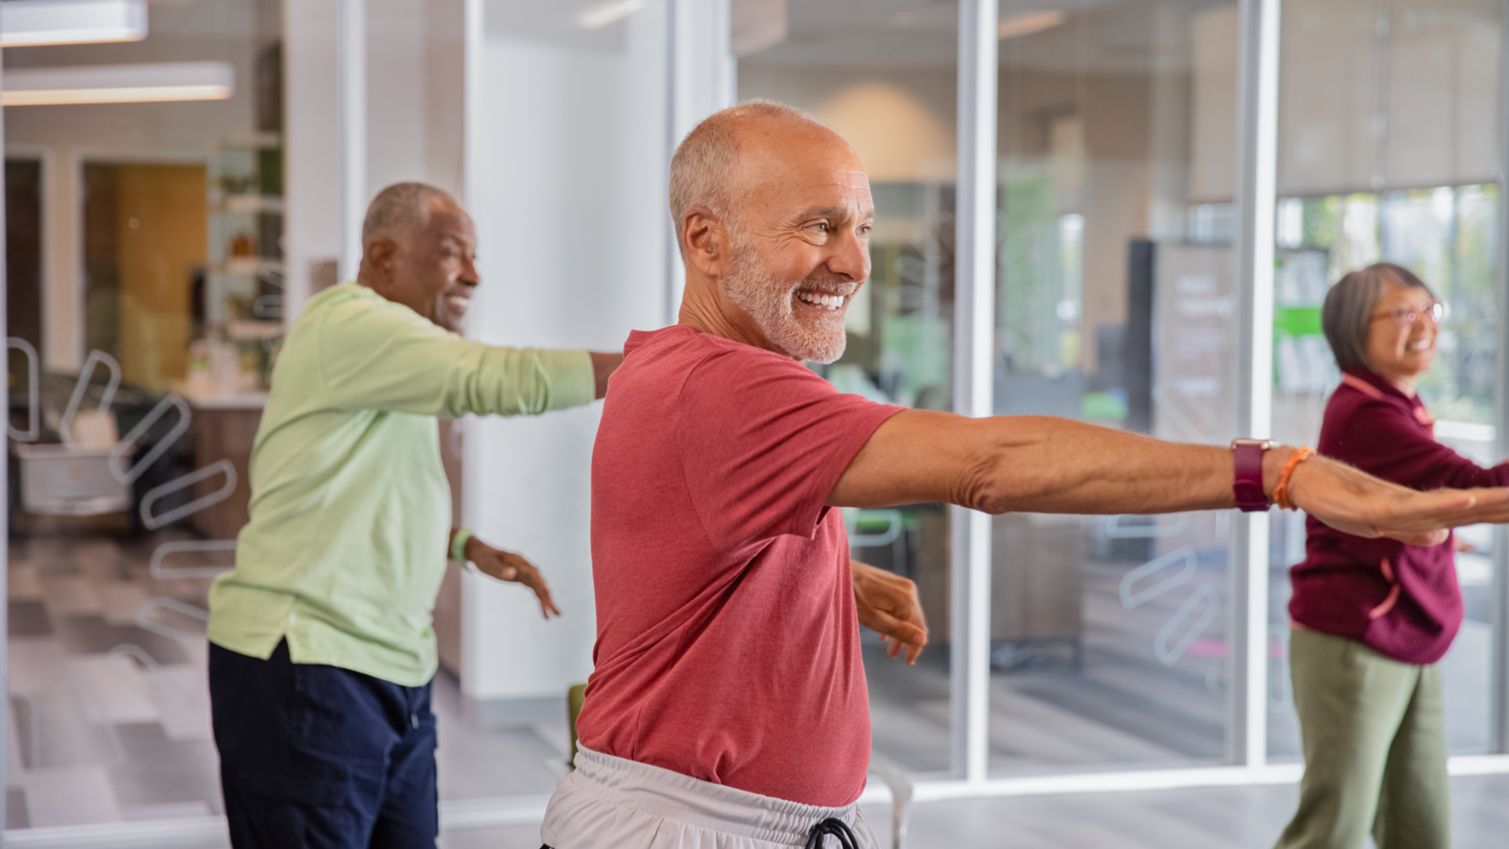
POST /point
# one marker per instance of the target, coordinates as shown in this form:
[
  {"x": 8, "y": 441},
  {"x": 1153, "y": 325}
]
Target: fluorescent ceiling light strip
[
  {"x": 140, "y": 83},
  {"x": 75, "y": 96},
  {"x": 603, "y": 14},
  {"x": 1029, "y": 23},
  {"x": 36, "y": 23}
]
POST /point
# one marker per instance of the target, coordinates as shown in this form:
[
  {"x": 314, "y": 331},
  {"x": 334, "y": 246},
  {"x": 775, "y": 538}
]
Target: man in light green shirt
[{"x": 321, "y": 642}]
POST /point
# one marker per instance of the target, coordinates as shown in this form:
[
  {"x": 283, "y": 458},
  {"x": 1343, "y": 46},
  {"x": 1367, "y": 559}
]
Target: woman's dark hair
[{"x": 1348, "y": 312}]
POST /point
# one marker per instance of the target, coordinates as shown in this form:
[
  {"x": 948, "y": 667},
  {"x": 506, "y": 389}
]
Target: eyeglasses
[{"x": 1434, "y": 312}]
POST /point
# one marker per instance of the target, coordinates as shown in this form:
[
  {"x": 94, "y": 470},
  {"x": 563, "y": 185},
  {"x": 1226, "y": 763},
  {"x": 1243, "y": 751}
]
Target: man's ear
[
  {"x": 704, "y": 242},
  {"x": 379, "y": 255}
]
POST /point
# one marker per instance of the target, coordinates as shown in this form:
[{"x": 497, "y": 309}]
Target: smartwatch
[{"x": 1247, "y": 486}]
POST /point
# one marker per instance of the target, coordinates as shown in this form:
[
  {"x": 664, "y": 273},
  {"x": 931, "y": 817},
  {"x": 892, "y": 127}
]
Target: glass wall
[
  {"x": 1387, "y": 115},
  {"x": 1117, "y": 298},
  {"x": 1110, "y": 636},
  {"x": 139, "y": 237},
  {"x": 148, "y": 270},
  {"x": 148, "y": 253},
  {"x": 884, "y": 75}
]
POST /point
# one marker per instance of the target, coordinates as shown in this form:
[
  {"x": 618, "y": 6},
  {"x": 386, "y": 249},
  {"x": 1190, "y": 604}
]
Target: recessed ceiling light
[
  {"x": 612, "y": 11},
  {"x": 36, "y": 23},
  {"x": 141, "y": 83},
  {"x": 1030, "y": 23}
]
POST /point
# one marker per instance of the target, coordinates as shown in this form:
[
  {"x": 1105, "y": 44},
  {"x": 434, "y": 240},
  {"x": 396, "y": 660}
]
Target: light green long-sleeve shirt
[{"x": 350, "y": 509}]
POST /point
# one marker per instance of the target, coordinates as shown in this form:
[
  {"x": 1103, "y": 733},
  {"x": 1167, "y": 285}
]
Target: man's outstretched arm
[{"x": 1048, "y": 465}]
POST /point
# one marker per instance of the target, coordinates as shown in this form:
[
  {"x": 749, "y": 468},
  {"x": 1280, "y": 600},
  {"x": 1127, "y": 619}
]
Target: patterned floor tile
[{"x": 27, "y": 619}]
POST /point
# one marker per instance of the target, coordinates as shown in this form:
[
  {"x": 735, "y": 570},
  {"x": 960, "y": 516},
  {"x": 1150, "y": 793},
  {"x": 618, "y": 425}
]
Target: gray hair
[
  {"x": 1348, "y": 311},
  {"x": 399, "y": 211},
  {"x": 705, "y": 159}
]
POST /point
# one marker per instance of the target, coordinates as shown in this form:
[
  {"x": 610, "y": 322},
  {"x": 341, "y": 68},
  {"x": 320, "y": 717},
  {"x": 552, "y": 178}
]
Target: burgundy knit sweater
[{"x": 1400, "y": 600}]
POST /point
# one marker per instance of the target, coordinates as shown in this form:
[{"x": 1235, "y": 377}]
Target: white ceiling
[
  {"x": 1110, "y": 35},
  {"x": 1100, "y": 36}
]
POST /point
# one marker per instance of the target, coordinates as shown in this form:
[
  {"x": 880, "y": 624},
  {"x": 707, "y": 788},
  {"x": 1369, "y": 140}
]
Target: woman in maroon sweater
[{"x": 1371, "y": 617}]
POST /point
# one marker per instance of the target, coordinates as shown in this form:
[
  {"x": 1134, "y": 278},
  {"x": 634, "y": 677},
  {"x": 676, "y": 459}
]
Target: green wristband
[{"x": 458, "y": 544}]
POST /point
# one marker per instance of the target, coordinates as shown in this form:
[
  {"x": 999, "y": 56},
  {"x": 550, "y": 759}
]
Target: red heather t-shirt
[{"x": 727, "y": 639}]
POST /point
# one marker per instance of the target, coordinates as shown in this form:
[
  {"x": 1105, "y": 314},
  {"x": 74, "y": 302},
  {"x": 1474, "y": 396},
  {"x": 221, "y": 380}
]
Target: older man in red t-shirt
[{"x": 728, "y": 707}]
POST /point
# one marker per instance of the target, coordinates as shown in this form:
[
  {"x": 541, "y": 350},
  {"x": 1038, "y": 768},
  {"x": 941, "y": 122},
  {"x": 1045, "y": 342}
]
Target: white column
[
  {"x": 4, "y": 472},
  {"x": 571, "y": 228},
  {"x": 312, "y": 144},
  {"x": 1500, "y": 645},
  {"x": 1257, "y": 136},
  {"x": 353, "y": 134},
  {"x": 397, "y": 123},
  {"x": 974, "y": 344},
  {"x": 700, "y": 80}
]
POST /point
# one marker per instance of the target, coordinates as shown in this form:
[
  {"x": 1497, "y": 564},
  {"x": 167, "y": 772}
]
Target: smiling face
[
  {"x": 799, "y": 242},
  {"x": 1398, "y": 349},
  {"x": 433, "y": 271}
]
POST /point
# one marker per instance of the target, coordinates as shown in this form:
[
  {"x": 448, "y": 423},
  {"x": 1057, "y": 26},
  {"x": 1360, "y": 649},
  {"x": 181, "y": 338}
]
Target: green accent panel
[{"x": 1297, "y": 321}]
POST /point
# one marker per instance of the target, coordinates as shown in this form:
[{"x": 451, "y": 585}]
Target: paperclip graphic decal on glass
[
  {"x": 154, "y": 519},
  {"x": 1185, "y": 626},
  {"x": 118, "y": 454},
  {"x": 160, "y": 567},
  {"x": 105, "y": 661},
  {"x": 269, "y": 306},
  {"x": 33, "y": 428},
  {"x": 1143, "y": 527},
  {"x": 153, "y": 616},
  {"x": 97, "y": 359},
  {"x": 1160, "y": 575}
]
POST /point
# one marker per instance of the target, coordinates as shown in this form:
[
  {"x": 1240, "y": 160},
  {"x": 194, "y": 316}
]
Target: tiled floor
[
  {"x": 107, "y": 697},
  {"x": 1125, "y": 706},
  {"x": 1216, "y": 818},
  {"x": 110, "y": 713},
  {"x": 110, "y": 706}
]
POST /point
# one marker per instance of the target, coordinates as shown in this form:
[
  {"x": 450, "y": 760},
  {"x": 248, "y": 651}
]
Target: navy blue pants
[{"x": 318, "y": 757}]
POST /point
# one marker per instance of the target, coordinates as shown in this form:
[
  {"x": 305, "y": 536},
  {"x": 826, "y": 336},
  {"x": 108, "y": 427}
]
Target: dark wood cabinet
[{"x": 223, "y": 431}]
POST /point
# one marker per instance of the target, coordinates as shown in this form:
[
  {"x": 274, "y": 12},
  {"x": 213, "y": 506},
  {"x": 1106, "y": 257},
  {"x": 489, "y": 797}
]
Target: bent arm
[
  {"x": 1414, "y": 458},
  {"x": 887, "y": 603}
]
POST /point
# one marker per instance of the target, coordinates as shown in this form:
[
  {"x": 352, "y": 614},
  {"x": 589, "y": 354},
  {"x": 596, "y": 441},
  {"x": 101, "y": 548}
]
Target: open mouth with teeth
[
  {"x": 825, "y": 301},
  {"x": 1422, "y": 345}
]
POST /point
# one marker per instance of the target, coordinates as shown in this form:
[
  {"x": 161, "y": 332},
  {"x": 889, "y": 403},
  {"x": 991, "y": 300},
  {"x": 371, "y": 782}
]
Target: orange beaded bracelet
[{"x": 1281, "y": 489}]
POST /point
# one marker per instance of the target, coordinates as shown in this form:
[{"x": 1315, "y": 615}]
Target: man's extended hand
[
  {"x": 1356, "y": 503},
  {"x": 888, "y": 604},
  {"x": 507, "y": 566}
]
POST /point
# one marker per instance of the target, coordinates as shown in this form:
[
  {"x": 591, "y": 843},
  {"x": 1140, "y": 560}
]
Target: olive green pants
[{"x": 1374, "y": 738}]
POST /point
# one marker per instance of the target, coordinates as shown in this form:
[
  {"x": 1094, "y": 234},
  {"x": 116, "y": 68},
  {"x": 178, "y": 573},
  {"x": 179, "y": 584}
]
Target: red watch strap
[{"x": 1247, "y": 485}]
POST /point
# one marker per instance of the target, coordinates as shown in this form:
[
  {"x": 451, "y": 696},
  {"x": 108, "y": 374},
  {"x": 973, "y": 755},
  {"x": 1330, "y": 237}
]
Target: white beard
[{"x": 771, "y": 304}]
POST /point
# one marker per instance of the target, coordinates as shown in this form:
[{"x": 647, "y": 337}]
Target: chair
[
  {"x": 901, "y": 796},
  {"x": 575, "y": 695}
]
